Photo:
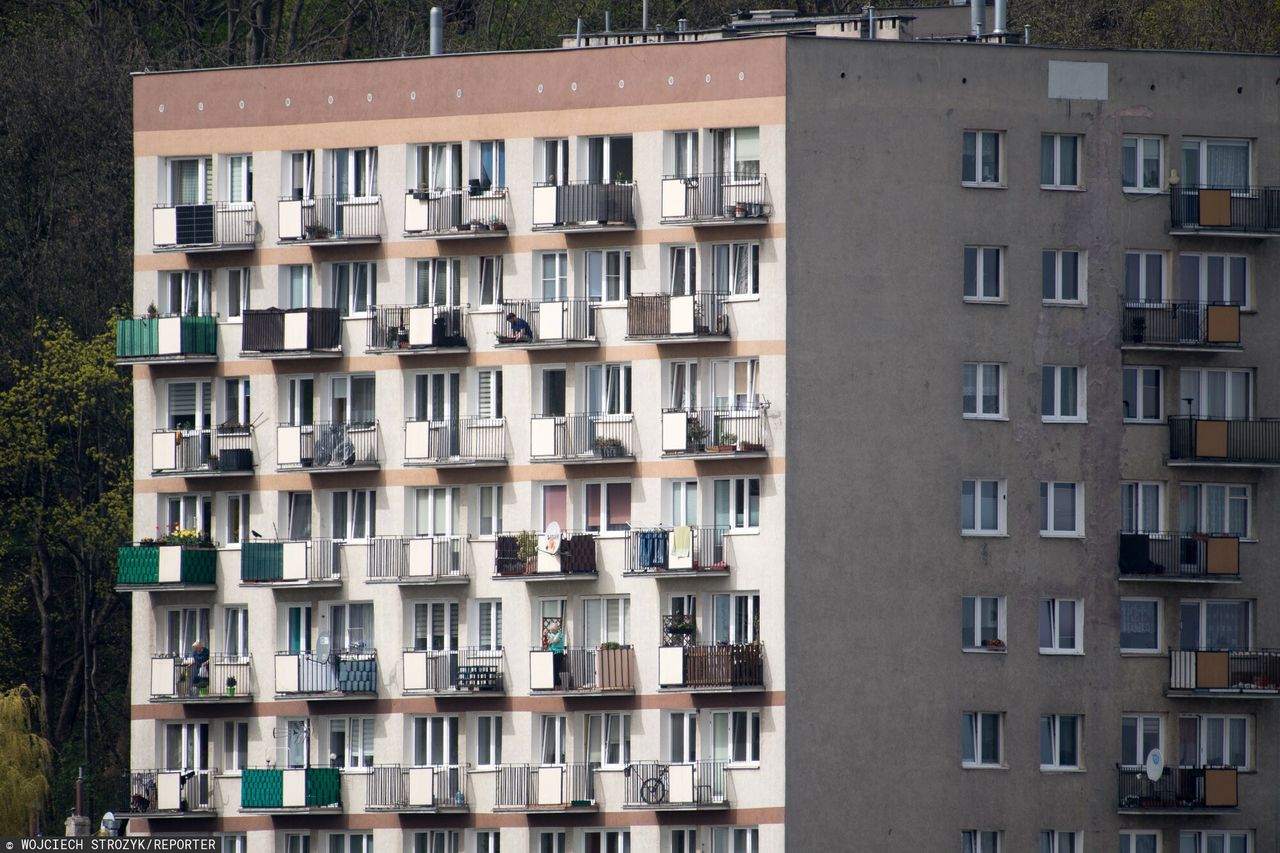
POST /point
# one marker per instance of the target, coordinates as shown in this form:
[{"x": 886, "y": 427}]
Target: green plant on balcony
[
  {"x": 151, "y": 310},
  {"x": 726, "y": 443},
  {"x": 696, "y": 433},
  {"x": 189, "y": 538},
  {"x": 610, "y": 645},
  {"x": 526, "y": 547},
  {"x": 231, "y": 685},
  {"x": 607, "y": 447}
]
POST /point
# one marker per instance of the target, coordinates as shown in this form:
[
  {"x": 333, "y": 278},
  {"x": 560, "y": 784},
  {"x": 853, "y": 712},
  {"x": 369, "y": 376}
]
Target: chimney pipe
[
  {"x": 871, "y": 21},
  {"x": 977, "y": 16},
  {"x": 644, "y": 16},
  {"x": 80, "y": 793},
  {"x": 579, "y": 42},
  {"x": 1001, "y": 15},
  {"x": 437, "y": 31},
  {"x": 682, "y": 25},
  {"x": 607, "y": 22},
  {"x": 1026, "y": 34}
]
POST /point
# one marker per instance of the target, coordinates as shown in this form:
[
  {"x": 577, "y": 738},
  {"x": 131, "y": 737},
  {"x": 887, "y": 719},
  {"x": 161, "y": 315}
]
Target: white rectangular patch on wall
[{"x": 1078, "y": 81}]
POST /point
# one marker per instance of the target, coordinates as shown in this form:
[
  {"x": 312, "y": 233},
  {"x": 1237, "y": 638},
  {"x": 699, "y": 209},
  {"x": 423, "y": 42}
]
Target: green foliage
[
  {"x": 25, "y": 761},
  {"x": 526, "y": 544}
]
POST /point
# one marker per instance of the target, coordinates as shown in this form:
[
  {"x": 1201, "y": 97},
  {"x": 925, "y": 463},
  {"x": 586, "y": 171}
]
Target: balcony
[
  {"x": 713, "y": 433},
  {"x": 545, "y": 788},
  {"x": 229, "y": 678},
  {"x": 468, "y": 442},
  {"x": 456, "y": 214},
  {"x": 454, "y": 672},
  {"x": 334, "y": 676},
  {"x": 171, "y": 338},
  {"x": 716, "y": 198},
  {"x": 1178, "y": 790},
  {"x": 684, "y": 665},
  {"x": 584, "y": 206},
  {"x": 584, "y": 671},
  {"x": 1221, "y": 673},
  {"x": 220, "y": 226},
  {"x": 1239, "y": 442},
  {"x": 1224, "y": 211},
  {"x": 1192, "y": 557},
  {"x": 531, "y": 557},
  {"x": 392, "y": 788},
  {"x": 171, "y": 793},
  {"x": 331, "y": 220},
  {"x": 279, "y": 562},
  {"x": 414, "y": 329},
  {"x": 582, "y": 438},
  {"x": 661, "y": 785},
  {"x": 419, "y": 560},
  {"x": 1199, "y": 326},
  {"x": 668, "y": 318},
  {"x": 167, "y": 566},
  {"x": 327, "y": 447},
  {"x": 677, "y": 552},
  {"x": 292, "y": 790},
  {"x": 227, "y": 449},
  {"x": 291, "y": 333},
  {"x": 556, "y": 323}
]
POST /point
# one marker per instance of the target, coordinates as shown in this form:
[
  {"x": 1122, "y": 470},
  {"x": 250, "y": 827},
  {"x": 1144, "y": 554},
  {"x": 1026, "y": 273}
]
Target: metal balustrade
[
  {"x": 581, "y": 204},
  {"x": 582, "y": 436},
  {"x": 446, "y": 214},
  {"x": 715, "y": 198},
  {"x": 1230, "y": 441},
  {"x": 226, "y": 449},
  {"x": 658, "y": 784},
  {"x": 215, "y": 225},
  {"x": 689, "y": 432},
  {"x": 594, "y": 669},
  {"x": 1221, "y": 209},
  {"x": 175, "y": 677},
  {"x": 418, "y": 558},
  {"x": 406, "y": 329},
  {"x": 171, "y": 793},
  {"x": 1180, "y": 324},
  {"x": 327, "y": 445},
  {"x": 392, "y": 787},
  {"x": 1254, "y": 672},
  {"x": 545, "y": 787},
  {"x": 665, "y": 550},
  {"x": 662, "y": 316},
  {"x": 1178, "y": 789},
  {"x": 457, "y": 441},
  {"x": 290, "y": 561},
  {"x": 553, "y": 321},
  {"x": 296, "y": 331},
  {"x": 466, "y": 671},
  {"x": 330, "y": 218},
  {"x": 1180, "y": 556}
]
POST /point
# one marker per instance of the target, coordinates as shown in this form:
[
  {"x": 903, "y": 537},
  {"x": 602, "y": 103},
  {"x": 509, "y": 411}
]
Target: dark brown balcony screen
[
  {"x": 1223, "y": 324},
  {"x": 1220, "y": 787},
  {"x": 1211, "y": 670},
  {"x": 1211, "y": 439},
  {"x": 1215, "y": 208}
]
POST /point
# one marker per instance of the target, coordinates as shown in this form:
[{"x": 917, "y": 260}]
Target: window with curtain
[
  {"x": 439, "y": 281},
  {"x": 435, "y": 625},
  {"x": 1214, "y": 624},
  {"x": 553, "y": 738},
  {"x": 1144, "y": 277},
  {"x": 555, "y": 505},
  {"x": 735, "y": 268},
  {"x": 1141, "y": 507},
  {"x": 489, "y": 618},
  {"x": 354, "y": 287},
  {"x": 493, "y": 164},
  {"x": 683, "y": 266},
  {"x": 1213, "y": 508},
  {"x": 608, "y": 739},
  {"x": 1216, "y": 162},
  {"x": 490, "y": 510},
  {"x": 608, "y": 506},
  {"x": 351, "y": 742},
  {"x": 299, "y": 515},
  {"x": 606, "y": 620},
  {"x": 240, "y": 178},
  {"x": 490, "y": 280}
]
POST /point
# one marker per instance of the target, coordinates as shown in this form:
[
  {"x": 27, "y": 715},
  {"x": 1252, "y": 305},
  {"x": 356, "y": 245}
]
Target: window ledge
[
  {"x": 982, "y": 534},
  {"x": 743, "y": 531},
  {"x": 743, "y": 297},
  {"x": 1062, "y": 653},
  {"x": 493, "y": 768},
  {"x": 964, "y": 766},
  {"x": 969, "y": 417},
  {"x": 1144, "y": 422},
  {"x": 611, "y": 534},
  {"x": 612, "y": 303},
  {"x": 484, "y": 309},
  {"x": 1137, "y": 191},
  {"x": 1044, "y": 419},
  {"x": 986, "y": 300},
  {"x": 1064, "y": 303},
  {"x": 1056, "y": 188},
  {"x": 356, "y": 771},
  {"x": 742, "y": 765},
  {"x": 1060, "y": 770},
  {"x": 983, "y": 185},
  {"x": 1142, "y": 653},
  {"x": 1049, "y": 534},
  {"x": 975, "y": 650}
]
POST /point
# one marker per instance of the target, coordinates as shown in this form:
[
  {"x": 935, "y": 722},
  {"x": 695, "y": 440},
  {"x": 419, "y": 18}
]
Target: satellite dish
[
  {"x": 553, "y": 537},
  {"x": 322, "y": 645},
  {"x": 1155, "y": 765}
]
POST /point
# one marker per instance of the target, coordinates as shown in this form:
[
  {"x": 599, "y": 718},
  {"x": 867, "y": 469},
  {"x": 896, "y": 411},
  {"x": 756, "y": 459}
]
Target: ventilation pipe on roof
[
  {"x": 579, "y": 42},
  {"x": 1026, "y": 34},
  {"x": 1001, "y": 15},
  {"x": 644, "y": 16},
  {"x": 437, "y": 31},
  {"x": 871, "y": 21},
  {"x": 608, "y": 23},
  {"x": 977, "y": 16}
]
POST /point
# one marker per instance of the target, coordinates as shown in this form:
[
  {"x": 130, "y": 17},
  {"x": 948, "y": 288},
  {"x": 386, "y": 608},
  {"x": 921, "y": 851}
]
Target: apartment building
[{"x": 465, "y": 390}]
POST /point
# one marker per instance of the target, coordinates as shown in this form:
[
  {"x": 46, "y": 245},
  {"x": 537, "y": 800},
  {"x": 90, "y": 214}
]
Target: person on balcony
[
  {"x": 520, "y": 328},
  {"x": 555, "y": 645},
  {"x": 198, "y": 666}
]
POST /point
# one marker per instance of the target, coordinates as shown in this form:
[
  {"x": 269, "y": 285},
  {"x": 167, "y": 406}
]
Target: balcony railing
[
  {"x": 554, "y": 321},
  {"x": 1224, "y": 209},
  {"x": 171, "y": 793},
  {"x": 668, "y": 550},
  {"x": 336, "y": 674},
  {"x": 406, "y": 329},
  {"x": 330, "y": 218},
  {"x": 1179, "y": 556},
  {"x": 715, "y": 198},
  {"x": 1178, "y": 789},
  {"x": 293, "y": 331},
  {"x": 223, "y": 677},
  {"x": 419, "y": 559},
  {"x": 466, "y": 671},
  {"x": 582, "y": 437},
  {"x": 555, "y": 787},
  {"x": 286, "y": 561},
  {"x": 1181, "y": 324},
  {"x": 166, "y": 338},
  {"x": 1242, "y": 441},
  {"x": 447, "y": 214},
  {"x": 660, "y": 784},
  {"x": 327, "y": 446},
  {"x": 688, "y": 666},
  {"x": 707, "y": 432},
  {"x": 575, "y": 555},
  {"x": 166, "y": 565},
  {"x": 583, "y": 204},
  {"x": 395, "y": 788},
  {"x": 218, "y": 450},
  {"x": 664, "y": 315},
  {"x": 288, "y": 789},
  {"x": 598, "y": 669},
  {"x": 220, "y": 225},
  {"x": 460, "y": 441},
  {"x": 1222, "y": 672}
]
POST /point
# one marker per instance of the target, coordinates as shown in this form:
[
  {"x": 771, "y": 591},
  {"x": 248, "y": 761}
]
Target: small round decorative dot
[
  {"x": 539, "y": 88},
  {"x": 573, "y": 87},
  {"x": 288, "y": 102},
  {"x": 242, "y": 105},
  {"x": 162, "y": 108},
  {"x": 671, "y": 81},
  {"x": 742, "y": 75},
  {"x": 622, "y": 84},
  {"x": 708, "y": 78},
  {"x": 458, "y": 94},
  {"x": 369, "y": 97},
  {"x": 413, "y": 96},
  {"x": 331, "y": 99},
  {"x": 200, "y": 106}
]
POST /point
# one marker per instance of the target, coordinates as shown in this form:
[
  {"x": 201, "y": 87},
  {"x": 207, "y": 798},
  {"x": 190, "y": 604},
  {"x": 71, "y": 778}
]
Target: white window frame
[
  {"x": 488, "y": 388},
  {"x": 298, "y": 164},
  {"x": 682, "y": 257},
  {"x": 487, "y": 841},
  {"x": 487, "y": 619},
  {"x": 1158, "y": 605},
  {"x": 975, "y": 606},
  {"x": 495, "y": 151},
  {"x": 1202, "y": 743},
  {"x": 599, "y": 284},
  {"x": 1139, "y": 722},
  {"x": 1230, "y": 492},
  {"x": 357, "y": 755},
  {"x": 235, "y": 747},
  {"x": 434, "y": 737},
  {"x": 1226, "y": 836},
  {"x": 489, "y": 499},
  {"x": 1140, "y": 374},
  {"x": 191, "y": 290},
  {"x": 1136, "y": 497},
  {"x": 1057, "y": 259},
  {"x": 204, "y": 179},
  {"x": 1202, "y": 604},
  {"x": 439, "y": 158},
  {"x": 361, "y": 167},
  {"x": 976, "y": 373},
  {"x": 1230, "y": 262},
  {"x": 606, "y": 739},
  {"x": 553, "y": 288},
  {"x": 552, "y": 735},
  {"x": 607, "y": 487},
  {"x": 433, "y": 277},
  {"x": 982, "y": 256},
  {"x": 296, "y": 285},
  {"x": 238, "y": 295},
  {"x": 1056, "y": 619},
  {"x": 682, "y": 153},
  {"x": 611, "y": 617},
  {"x": 739, "y": 503},
  {"x": 1048, "y": 503},
  {"x": 349, "y": 308},
  {"x": 1142, "y": 285},
  {"x": 974, "y": 721},
  {"x": 359, "y": 513},
  {"x": 236, "y": 519},
  {"x": 1001, "y": 497},
  {"x": 489, "y": 267},
  {"x": 1202, "y": 144},
  {"x": 1129, "y": 838},
  {"x": 1138, "y": 143},
  {"x": 342, "y": 387},
  {"x": 981, "y": 841},
  {"x": 491, "y": 757},
  {"x": 723, "y": 728},
  {"x": 1053, "y": 373},
  {"x": 982, "y": 139},
  {"x": 725, "y": 260},
  {"x": 239, "y": 193},
  {"x": 230, "y": 842},
  {"x": 1058, "y": 161},
  {"x": 1061, "y": 841}
]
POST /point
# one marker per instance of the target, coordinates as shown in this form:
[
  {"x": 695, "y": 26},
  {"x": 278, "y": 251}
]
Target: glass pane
[{"x": 1046, "y": 160}]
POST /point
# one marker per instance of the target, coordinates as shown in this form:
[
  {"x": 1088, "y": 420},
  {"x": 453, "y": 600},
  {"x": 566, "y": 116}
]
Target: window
[
  {"x": 297, "y": 843},
  {"x": 184, "y": 414},
  {"x": 351, "y": 742},
  {"x": 684, "y": 840},
  {"x": 1061, "y": 509},
  {"x": 608, "y": 274},
  {"x": 1139, "y": 841},
  {"x": 352, "y": 400},
  {"x": 298, "y": 522},
  {"x": 1140, "y": 625},
  {"x": 1216, "y": 623},
  {"x": 1062, "y": 277},
  {"x": 300, "y": 174},
  {"x": 431, "y": 841},
  {"x": 489, "y": 393},
  {"x": 551, "y": 841},
  {"x": 297, "y": 286},
  {"x": 982, "y": 622},
  {"x": 1061, "y": 626},
  {"x": 981, "y": 739},
  {"x": 293, "y": 744},
  {"x": 435, "y": 625},
  {"x": 737, "y": 503},
  {"x": 438, "y": 281},
  {"x": 553, "y": 391},
  {"x": 191, "y": 180},
  {"x": 235, "y": 634},
  {"x": 490, "y": 291},
  {"x": 235, "y": 401},
  {"x": 1212, "y": 841},
  {"x": 983, "y": 281},
  {"x": 553, "y": 157},
  {"x": 1213, "y": 508},
  {"x": 1139, "y": 734},
  {"x": 735, "y": 839},
  {"x": 737, "y": 152},
  {"x": 608, "y": 159},
  {"x": 735, "y": 268},
  {"x": 354, "y": 287},
  {"x": 240, "y": 178},
  {"x": 1213, "y": 278},
  {"x": 237, "y": 519},
  {"x": 735, "y": 617},
  {"x": 1142, "y": 164},
  {"x": 439, "y": 166},
  {"x": 1057, "y": 841},
  {"x": 735, "y": 736},
  {"x": 1144, "y": 276},
  {"x": 684, "y": 153},
  {"x": 189, "y": 512},
  {"x": 488, "y": 740},
  {"x": 1141, "y": 507},
  {"x": 983, "y": 390},
  {"x": 606, "y": 619},
  {"x": 735, "y": 383},
  {"x": 300, "y": 401},
  {"x": 607, "y": 738},
  {"x": 980, "y": 841},
  {"x": 553, "y": 738},
  {"x": 1062, "y": 394},
  {"x": 353, "y": 515},
  {"x": 980, "y": 161},
  {"x": 436, "y": 511},
  {"x": 1060, "y": 742},
  {"x": 355, "y": 172},
  {"x": 231, "y": 843},
  {"x": 237, "y": 292},
  {"x": 488, "y": 841},
  {"x": 982, "y": 507},
  {"x": 351, "y": 626},
  {"x": 683, "y": 266},
  {"x": 554, "y": 276},
  {"x": 493, "y": 164},
  {"x": 354, "y": 842},
  {"x": 1059, "y": 161},
  {"x": 1216, "y": 163},
  {"x": 608, "y": 390},
  {"x": 235, "y": 746},
  {"x": 682, "y": 741},
  {"x": 1213, "y": 740},
  {"x": 1143, "y": 395},
  {"x": 189, "y": 293},
  {"x": 490, "y": 510},
  {"x": 435, "y": 741},
  {"x": 489, "y": 625},
  {"x": 555, "y": 505},
  {"x": 684, "y": 503},
  {"x": 608, "y": 506}
]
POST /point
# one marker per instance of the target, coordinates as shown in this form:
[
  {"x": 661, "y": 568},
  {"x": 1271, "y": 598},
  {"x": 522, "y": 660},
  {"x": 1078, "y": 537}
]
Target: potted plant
[
  {"x": 695, "y": 434},
  {"x": 995, "y": 645},
  {"x": 727, "y": 443},
  {"x": 608, "y": 448},
  {"x": 751, "y": 447},
  {"x": 231, "y": 685},
  {"x": 496, "y": 224},
  {"x": 318, "y": 231},
  {"x": 151, "y": 311},
  {"x": 527, "y": 550}
]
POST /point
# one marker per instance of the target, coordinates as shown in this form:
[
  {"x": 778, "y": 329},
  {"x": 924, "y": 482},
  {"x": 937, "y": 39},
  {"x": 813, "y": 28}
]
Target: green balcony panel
[
  {"x": 138, "y": 564},
  {"x": 262, "y": 789},
  {"x": 323, "y": 786},
  {"x": 262, "y": 561},
  {"x": 137, "y": 337},
  {"x": 199, "y": 335},
  {"x": 200, "y": 565}
]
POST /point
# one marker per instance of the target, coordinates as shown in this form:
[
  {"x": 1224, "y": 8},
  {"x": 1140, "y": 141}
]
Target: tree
[{"x": 25, "y": 761}]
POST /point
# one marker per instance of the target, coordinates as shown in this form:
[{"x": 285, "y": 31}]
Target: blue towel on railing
[{"x": 653, "y": 548}]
